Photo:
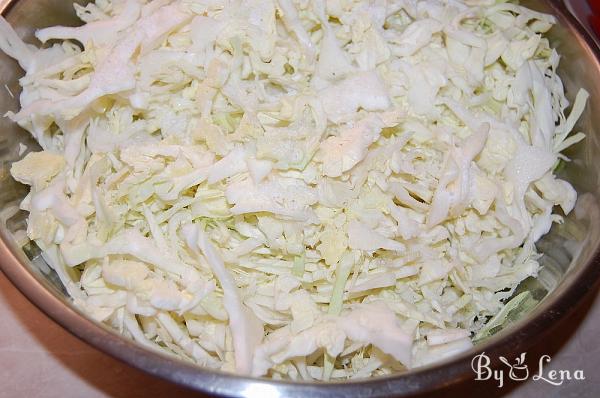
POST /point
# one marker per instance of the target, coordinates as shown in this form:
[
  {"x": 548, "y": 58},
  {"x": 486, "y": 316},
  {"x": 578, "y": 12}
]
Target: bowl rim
[{"x": 577, "y": 283}]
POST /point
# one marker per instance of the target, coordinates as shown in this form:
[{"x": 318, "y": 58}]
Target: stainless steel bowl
[{"x": 571, "y": 252}]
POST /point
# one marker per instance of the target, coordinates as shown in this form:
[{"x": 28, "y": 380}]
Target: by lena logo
[{"x": 518, "y": 370}]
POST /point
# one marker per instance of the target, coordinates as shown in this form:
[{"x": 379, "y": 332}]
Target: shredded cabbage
[{"x": 295, "y": 189}]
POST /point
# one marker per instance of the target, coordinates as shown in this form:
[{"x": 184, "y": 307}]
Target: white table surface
[{"x": 40, "y": 359}]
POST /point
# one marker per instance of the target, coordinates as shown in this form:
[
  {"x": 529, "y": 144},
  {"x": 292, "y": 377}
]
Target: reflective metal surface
[
  {"x": 582, "y": 11},
  {"x": 571, "y": 261}
]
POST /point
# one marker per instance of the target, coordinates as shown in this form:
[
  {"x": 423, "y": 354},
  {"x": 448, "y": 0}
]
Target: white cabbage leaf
[{"x": 291, "y": 189}]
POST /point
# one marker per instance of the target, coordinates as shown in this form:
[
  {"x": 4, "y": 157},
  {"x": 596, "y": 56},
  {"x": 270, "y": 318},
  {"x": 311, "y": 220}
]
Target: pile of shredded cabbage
[{"x": 298, "y": 189}]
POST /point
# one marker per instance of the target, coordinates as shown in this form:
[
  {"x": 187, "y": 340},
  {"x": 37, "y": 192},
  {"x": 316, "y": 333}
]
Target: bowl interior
[{"x": 568, "y": 250}]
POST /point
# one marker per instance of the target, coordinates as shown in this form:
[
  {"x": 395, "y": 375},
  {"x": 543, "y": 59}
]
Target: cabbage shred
[{"x": 295, "y": 189}]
